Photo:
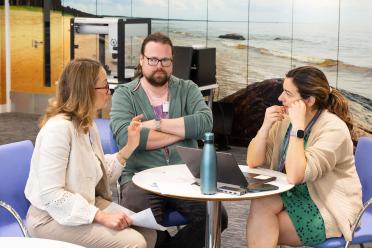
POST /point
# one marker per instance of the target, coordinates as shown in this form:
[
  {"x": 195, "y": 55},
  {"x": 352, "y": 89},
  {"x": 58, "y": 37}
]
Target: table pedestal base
[{"x": 213, "y": 225}]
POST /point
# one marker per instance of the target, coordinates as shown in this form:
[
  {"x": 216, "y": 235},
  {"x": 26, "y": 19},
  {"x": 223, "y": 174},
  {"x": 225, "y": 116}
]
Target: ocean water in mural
[{"x": 269, "y": 53}]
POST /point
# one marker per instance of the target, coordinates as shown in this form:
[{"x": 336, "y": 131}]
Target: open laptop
[{"x": 228, "y": 171}]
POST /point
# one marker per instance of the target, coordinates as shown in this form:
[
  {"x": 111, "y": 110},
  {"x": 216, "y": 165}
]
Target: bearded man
[{"x": 174, "y": 113}]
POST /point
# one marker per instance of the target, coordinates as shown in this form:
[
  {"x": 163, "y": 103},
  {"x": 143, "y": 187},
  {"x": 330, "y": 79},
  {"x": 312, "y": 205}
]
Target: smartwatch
[
  {"x": 157, "y": 123},
  {"x": 297, "y": 133}
]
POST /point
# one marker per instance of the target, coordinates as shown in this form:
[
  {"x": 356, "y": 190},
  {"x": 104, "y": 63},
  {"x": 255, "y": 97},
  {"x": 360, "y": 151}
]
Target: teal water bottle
[{"x": 208, "y": 166}]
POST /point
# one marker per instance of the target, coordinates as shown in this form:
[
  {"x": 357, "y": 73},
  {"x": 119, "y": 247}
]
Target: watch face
[
  {"x": 157, "y": 124},
  {"x": 300, "y": 134}
]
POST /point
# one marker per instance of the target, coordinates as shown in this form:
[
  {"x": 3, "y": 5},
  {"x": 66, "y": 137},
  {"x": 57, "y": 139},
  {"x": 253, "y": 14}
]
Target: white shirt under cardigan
[{"x": 65, "y": 171}]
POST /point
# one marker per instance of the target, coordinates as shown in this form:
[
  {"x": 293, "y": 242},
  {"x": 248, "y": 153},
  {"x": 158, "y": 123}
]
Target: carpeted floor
[{"x": 16, "y": 127}]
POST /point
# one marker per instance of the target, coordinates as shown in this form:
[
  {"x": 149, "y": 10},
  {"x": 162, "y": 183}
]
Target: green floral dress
[{"x": 304, "y": 215}]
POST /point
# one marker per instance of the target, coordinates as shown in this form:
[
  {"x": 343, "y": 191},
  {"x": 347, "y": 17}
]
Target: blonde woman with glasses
[{"x": 68, "y": 185}]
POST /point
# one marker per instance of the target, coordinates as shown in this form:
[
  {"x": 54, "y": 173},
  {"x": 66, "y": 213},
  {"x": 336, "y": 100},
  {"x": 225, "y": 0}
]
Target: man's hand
[{"x": 116, "y": 221}]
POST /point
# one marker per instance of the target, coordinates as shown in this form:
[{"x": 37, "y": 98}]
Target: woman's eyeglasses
[{"x": 107, "y": 87}]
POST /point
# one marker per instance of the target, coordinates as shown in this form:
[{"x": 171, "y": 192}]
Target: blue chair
[
  {"x": 15, "y": 161},
  {"x": 107, "y": 139},
  {"x": 171, "y": 216},
  {"x": 362, "y": 234}
]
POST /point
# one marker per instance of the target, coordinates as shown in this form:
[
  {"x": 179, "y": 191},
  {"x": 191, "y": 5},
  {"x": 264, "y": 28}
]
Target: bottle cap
[{"x": 209, "y": 137}]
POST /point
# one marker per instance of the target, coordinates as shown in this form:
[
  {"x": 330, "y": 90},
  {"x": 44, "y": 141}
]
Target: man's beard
[{"x": 159, "y": 80}]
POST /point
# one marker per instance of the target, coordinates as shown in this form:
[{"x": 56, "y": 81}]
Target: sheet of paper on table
[
  {"x": 168, "y": 188},
  {"x": 144, "y": 218}
]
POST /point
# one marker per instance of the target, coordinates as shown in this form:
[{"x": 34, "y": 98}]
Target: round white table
[
  {"x": 21, "y": 242},
  {"x": 177, "y": 181}
]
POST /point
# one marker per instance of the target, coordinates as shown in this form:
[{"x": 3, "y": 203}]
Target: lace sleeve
[
  {"x": 70, "y": 209},
  {"x": 113, "y": 167}
]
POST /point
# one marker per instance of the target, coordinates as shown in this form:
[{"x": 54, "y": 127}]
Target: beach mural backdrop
[
  {"x": 333, "y": 35},
  {"x": 276, "y": 35},
  {"x": 279, "y": 34}
]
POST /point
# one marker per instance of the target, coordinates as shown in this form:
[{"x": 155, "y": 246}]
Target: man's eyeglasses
[
  {"x": 154, "y": 61},
  {"x": 107, "y": 87}
]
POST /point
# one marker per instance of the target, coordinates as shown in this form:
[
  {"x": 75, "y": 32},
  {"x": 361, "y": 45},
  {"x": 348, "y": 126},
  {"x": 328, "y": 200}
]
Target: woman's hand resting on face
[{"x": 297, "y": 114}]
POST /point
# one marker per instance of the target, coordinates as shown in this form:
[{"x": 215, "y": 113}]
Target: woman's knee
[
  {"x": 150, "y": 236},
  {"x": 270, "y": 204},
  {"x": 142, "y": 237},
  {"x": 131, "y": 238}
]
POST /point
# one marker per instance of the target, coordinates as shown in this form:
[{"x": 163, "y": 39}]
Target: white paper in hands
[{"x": 144, "y": 218}]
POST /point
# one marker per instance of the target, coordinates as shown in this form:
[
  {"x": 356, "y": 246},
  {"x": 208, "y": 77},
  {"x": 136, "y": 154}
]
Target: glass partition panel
[
  {"x": 232, "y": 10},
  {"x": 157, "y": 10},
  {"x": 150, "y": 9},
  {"x": 87, "y": 6},
  {"x": 231, "y": 52},
  {"x": 160, "y": 26},
  {"x": 269, "y": 39},
  {"x": 355, "y": 66},
  {"x": 188, "y": 33},
  {"x": 135, "y": 33},
  {"x": 188, "y": 10},
  {"x": 231, "y": 56},
  {"x": 188, "y": 19},
  {"x": 114, "y": 8},
  {"x": 315, "y": 36}
]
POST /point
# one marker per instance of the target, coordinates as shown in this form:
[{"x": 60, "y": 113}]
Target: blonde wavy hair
[{"x": 75, "y": 95}]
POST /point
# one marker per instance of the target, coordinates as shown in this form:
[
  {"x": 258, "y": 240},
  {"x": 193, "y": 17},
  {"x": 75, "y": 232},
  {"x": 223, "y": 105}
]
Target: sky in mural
[{"x": 315, "y": 11}]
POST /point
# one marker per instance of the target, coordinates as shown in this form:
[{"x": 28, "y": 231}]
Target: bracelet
[{"x": 125, "y": 158}]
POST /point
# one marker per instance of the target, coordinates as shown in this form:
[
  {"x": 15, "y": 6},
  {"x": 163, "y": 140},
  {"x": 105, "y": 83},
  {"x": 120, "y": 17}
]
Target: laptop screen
[{"x": 228, "y": 170}]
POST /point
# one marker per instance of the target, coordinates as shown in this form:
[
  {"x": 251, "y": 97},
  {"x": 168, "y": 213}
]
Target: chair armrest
[
  {"x": 16, "y": 216},
  {"x": 360, "y": 214}
]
